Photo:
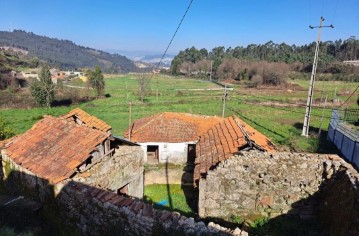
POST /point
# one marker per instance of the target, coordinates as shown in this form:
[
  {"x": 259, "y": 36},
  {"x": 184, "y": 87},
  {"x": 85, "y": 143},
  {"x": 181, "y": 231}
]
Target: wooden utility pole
[
  {"x": 224, "y": 100},
  {"x": 312, "y": 79}
]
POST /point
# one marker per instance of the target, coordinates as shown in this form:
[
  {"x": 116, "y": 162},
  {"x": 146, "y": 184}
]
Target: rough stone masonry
[{"x": 305, "y": 185}]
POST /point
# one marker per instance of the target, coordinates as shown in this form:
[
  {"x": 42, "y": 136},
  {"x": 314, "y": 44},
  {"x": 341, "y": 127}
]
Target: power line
[
  {"x": 174, "y": 35},
  {"x": 349, "y": 97}
]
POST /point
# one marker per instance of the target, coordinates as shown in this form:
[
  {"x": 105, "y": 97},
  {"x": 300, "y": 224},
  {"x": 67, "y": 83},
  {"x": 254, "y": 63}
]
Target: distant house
[
  {"x": 75, "y": 147},
  {"x": 352, "y": 62},
  {"x": 225, "y": 139},
  {"x": 169, "y": 136}
]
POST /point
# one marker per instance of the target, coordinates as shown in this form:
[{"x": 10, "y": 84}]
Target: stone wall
[
  {"x": 96, "y": 211},
  {"x": 125, "y": 167},
  {"x": 254, "y": 183},
  {"x": 100, "y": 212}
]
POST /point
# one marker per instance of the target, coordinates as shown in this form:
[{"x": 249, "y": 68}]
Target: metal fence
[{"x": 344, "y": 134}]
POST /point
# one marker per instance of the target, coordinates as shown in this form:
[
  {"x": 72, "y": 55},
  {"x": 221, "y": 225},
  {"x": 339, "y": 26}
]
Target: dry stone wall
[
  {"x": 125, "y": 167},
  {"x": 101, "y": 212},
  {"x": 305, "y": 185}
]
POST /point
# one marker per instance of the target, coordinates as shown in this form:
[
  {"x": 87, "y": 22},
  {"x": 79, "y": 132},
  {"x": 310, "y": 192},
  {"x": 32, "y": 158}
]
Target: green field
[{"x": 258, "y": 107}]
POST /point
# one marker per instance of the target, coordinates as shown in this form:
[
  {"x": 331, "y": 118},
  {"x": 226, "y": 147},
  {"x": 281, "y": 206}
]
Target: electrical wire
[
  {"x": 174, "y": 35},
  {"x": 349, "y": 97}
]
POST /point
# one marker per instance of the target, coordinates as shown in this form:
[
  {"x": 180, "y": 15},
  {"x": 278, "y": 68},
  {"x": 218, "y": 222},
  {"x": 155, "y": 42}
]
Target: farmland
[{"x": 278, "y": 113}]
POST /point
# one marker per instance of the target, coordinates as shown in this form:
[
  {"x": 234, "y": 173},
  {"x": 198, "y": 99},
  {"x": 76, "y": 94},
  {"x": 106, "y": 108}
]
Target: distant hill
[{"x": 64, "y": 53}]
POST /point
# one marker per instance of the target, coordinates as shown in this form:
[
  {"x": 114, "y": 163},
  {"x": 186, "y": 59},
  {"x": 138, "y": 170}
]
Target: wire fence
[{"x": 344, "y": 134}]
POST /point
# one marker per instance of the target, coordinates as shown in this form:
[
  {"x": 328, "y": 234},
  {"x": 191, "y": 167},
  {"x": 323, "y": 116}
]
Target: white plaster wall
[{"x": 169, "y": 152}]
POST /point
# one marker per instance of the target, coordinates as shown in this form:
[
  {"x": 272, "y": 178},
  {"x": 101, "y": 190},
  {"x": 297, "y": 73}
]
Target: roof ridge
[{"x": 150, "y": 121}]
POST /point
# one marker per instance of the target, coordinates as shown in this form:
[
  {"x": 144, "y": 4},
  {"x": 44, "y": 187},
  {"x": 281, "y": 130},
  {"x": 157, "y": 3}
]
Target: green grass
[
  {"x": 172, "y": 194},
  {"x": 281, "y": 124}
]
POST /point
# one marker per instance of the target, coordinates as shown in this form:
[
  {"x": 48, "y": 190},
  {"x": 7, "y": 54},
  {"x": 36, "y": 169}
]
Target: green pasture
[{"x": 257, "y": 107}]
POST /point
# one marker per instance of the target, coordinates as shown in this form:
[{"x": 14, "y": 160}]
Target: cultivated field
[{"x": 278, "y": 113}]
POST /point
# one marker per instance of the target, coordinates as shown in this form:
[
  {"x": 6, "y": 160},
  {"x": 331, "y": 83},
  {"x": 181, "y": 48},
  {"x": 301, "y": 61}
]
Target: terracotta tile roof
[
  {"x": 89, "y": 120},
  {"x": 223, "y": 140},
  {"x": 170, "y": 127},
  {"x": 4, "y": 143},
  {"x": 54, "y": 147}
]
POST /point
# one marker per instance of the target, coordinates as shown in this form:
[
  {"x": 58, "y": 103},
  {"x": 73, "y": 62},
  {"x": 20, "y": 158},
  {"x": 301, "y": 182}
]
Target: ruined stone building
[
  {"x": 74, "y": 163},
  {"x": 169, "y": 136},
  {"x": 223, "y": 140},
  {"x": 74, "y": 147}
]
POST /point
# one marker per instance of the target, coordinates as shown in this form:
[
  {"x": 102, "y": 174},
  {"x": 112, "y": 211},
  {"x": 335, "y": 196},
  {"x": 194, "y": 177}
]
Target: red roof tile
[
  {"x": 170, "y": 127},
  {"x": 54, "y": 147},
  {"x": 223, "y": 140},
  {"x": 89, "y": 120}
]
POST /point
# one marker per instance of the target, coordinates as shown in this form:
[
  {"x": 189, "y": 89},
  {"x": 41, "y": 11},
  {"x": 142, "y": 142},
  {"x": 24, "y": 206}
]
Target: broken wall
[
  {"x": 125, "y": 167},
  {"x": 303, "y": 185}
]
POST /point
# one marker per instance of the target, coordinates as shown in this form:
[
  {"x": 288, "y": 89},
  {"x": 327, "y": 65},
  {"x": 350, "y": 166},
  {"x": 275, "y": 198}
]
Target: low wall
[
  {"x": 125, "y": 167},
  {"x": 99, "y": 212},
  {"x": 305, "y": 185},
  {"x": 169, "y": 174}
]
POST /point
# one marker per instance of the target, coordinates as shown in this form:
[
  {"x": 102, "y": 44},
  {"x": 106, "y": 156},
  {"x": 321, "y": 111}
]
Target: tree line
[{"x": 245, "y": 62}]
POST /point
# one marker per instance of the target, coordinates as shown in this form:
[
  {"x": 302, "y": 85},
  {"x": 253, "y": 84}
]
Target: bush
[{"x": 5, "y": 132}]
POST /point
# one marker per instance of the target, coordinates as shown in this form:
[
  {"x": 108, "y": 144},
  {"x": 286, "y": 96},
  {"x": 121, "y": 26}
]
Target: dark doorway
[
  {"x": 152, "y": 154},
  {"x": 191, "y": 154},
  {"x": 123, "y": 190}
]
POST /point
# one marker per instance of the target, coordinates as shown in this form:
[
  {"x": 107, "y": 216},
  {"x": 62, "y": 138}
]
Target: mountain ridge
[{"x": 65, "y": 54}]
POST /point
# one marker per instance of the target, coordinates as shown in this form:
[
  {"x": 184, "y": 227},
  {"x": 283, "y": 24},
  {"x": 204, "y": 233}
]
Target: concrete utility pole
[
  {"x": 210, "y": 75},
  {"x": 224, "y": 100},
  {"x": 312, "y": 79}
]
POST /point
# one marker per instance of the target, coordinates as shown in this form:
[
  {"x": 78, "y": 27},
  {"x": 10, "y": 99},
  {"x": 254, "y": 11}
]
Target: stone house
[
  {"x": 222, "y": 141},
  {"x": 169, "y": 136},
  {"x": 75, "y": 147}
]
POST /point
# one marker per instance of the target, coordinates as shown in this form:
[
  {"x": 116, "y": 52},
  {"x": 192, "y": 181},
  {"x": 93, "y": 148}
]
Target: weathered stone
[{"x": 288, "y": 183}]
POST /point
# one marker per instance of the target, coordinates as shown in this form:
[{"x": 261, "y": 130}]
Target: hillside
[{"x": 64, "y": 53}]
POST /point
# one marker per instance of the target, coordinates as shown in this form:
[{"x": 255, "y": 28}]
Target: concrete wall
[
  {"x": 125, "y": 167},
  {"x": 304, "y": 185},
  {"x": 169, "y": 152}
]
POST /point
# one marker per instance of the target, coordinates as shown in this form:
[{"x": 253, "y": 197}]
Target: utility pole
[
  {"x": 321, "y": 119},
  {"x": 210, "y": 75},
  {"x": 224, "y": 100},
  {"x": 312, "y": 79},
  {"x": 130, "y": 117}
]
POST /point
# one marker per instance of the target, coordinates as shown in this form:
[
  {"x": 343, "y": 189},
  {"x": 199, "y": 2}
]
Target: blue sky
[{"x": 147, "y": 25}]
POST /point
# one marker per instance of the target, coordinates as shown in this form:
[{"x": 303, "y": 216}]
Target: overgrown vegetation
[
  {"x": 5, "y": 131},
  {"x": 170, "y": 197},
  {"x": 43, "y": 90},
  {"x": 96, "y": 80}
]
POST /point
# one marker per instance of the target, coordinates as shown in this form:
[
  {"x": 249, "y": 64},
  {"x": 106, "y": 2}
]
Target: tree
[
  {"x": 43, "y": 90},
  {"x": 143, "y": 86},
  {"x": 96, "y": 80}
]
